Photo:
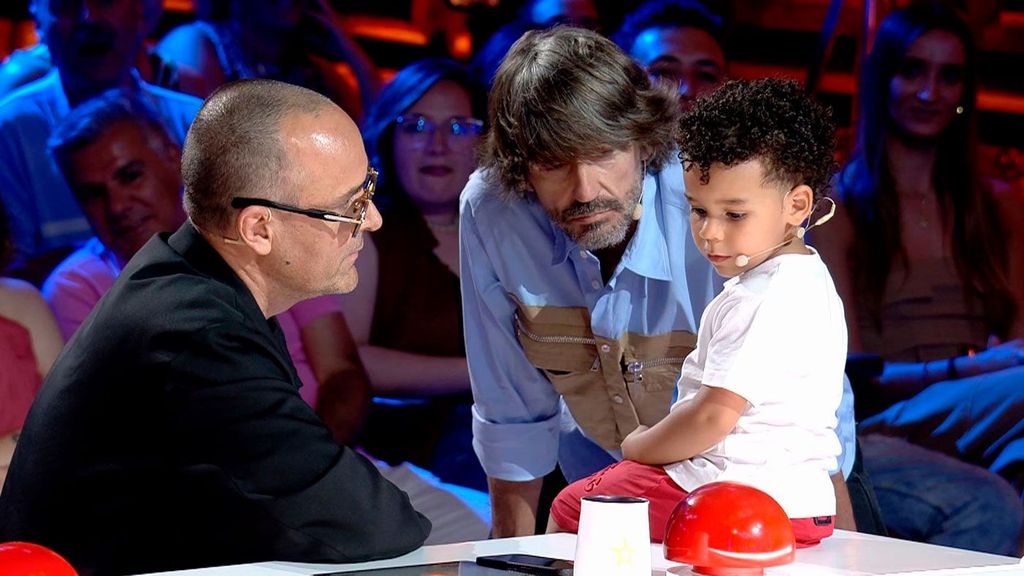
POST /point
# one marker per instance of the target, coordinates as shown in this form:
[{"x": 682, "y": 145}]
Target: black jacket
[{"x": 170, "y": 434}]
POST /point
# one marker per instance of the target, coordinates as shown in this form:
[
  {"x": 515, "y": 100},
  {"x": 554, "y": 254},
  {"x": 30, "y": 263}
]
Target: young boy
[{"x": 757, "y": 397}]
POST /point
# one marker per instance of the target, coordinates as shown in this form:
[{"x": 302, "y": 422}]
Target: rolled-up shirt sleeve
[
  {"x": 517, "y": 452},
  {"x": 516, "y": 409}
]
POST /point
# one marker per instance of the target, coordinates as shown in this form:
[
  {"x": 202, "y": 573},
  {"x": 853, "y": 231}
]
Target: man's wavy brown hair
[{"x": 567, "y": 95}]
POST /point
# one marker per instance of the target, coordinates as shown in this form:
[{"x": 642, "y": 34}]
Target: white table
[{"x": 844, "y": 554}]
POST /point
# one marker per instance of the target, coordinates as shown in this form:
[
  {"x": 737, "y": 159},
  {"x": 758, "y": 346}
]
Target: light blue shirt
[
  {"x": 511, "y": 251},
  {"x": 42, "y": 211}
]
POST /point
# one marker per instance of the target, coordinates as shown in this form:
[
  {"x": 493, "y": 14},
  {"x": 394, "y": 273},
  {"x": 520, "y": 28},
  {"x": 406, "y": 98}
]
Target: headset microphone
[
  {"x": 742, "y": 260},
  {"x": 638, "y": 210}
]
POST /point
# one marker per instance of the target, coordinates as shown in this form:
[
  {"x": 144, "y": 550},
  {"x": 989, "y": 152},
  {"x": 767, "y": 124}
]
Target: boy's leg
[
  {"x": 624, "y": 478},
  {"x": 810, "y": 531}
]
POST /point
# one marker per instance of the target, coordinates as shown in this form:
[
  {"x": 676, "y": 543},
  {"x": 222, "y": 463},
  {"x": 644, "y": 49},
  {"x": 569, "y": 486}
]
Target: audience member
[
  {"x": 406, "y": 314},
  {"x": 295, "y": 41},
  {"x": 757, "y": 397},
  {"x": 679, "y": 42},
  {"x": 93, "y": 51},
  {"x": 27, "y": 64},
  {"x": 183, "y": 353},
  {"x": 581, "y": 287},
  {"x": 29, "y": 343},
  {"x": 122, "y": 165},
  {"x": 932, "y": 289}
]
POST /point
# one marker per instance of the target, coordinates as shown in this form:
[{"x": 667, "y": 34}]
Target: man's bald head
[{"x": 234, "y": 147}]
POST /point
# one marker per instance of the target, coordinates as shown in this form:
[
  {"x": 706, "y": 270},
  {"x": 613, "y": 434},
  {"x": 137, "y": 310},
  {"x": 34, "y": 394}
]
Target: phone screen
[{"x": 528, "y": 563}]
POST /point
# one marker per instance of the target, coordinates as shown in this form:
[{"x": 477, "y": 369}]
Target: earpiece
[
  {"x": 638, "y": 211},
  {"x": 742, "y": 260},
  {"x": 828, "y": 216}
]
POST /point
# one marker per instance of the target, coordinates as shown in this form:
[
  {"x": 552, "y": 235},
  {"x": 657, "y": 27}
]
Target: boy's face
[{"x": 736, "y": 213}]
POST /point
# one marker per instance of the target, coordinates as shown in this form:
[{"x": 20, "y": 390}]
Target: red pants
[{"x": 628, "y": 478}]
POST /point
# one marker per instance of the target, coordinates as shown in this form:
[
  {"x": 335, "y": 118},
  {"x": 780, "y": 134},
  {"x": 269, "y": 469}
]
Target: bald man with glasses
[{"x": 170, "y": 433}]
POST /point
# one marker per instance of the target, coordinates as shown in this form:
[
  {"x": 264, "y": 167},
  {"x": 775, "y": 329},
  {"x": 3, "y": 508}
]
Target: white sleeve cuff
[{"x": 516, "y": 452}]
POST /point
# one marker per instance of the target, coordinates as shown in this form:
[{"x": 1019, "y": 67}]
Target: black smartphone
[{"x": 528, "y": 564}]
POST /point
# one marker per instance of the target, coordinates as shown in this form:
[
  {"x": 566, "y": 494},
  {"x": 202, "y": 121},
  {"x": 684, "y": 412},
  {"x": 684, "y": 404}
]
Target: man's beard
[{"x": 604, "y": 234}]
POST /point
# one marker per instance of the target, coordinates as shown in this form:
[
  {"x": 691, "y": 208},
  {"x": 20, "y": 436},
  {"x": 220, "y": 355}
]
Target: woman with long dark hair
[
  {"x": 406, "y": 313},
  {"x": 923, "y": 258}
]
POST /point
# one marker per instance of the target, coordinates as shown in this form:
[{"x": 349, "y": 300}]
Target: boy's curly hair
[{"x": 771, "y": 120}]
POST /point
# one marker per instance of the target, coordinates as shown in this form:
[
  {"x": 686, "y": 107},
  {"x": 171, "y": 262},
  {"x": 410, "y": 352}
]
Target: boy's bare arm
[{"x": 688, "y": 430}]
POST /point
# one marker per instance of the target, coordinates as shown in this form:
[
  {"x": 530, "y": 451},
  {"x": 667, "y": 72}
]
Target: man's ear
[
  {"x": 646, "y": 153},
  {"x": 797, "y": 204},
  {"x": 254, "y": 230}
]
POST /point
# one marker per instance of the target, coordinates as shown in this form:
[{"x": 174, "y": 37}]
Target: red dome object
[
  {"x": 727, "y": 528},
  {"x": 26, "y": 559}
]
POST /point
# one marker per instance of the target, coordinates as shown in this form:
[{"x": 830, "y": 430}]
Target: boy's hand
[{"x": 689, "y": 429}]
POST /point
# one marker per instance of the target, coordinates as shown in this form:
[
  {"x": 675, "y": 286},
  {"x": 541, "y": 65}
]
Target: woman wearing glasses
[{"x": 405, "y": 315}]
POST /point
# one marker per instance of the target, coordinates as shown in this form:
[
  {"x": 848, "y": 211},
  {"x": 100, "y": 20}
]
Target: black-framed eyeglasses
[
  {"x": 357, "y": 211},
  {"x": 459, "y": 132}
]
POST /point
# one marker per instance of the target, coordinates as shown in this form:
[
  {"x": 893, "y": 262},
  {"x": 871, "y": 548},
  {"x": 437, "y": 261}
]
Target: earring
[{"x": 959, "y": 109}]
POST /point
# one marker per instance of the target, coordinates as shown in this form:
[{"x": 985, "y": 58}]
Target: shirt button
[
  {"x": 606, "y": 348},
  {"x": 583, "y": 253},
  {"x": 617, "y": 399},
  {"x": 596, "y": 285}
]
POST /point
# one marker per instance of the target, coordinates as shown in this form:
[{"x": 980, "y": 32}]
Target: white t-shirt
[{"x": 776, "y": 336}]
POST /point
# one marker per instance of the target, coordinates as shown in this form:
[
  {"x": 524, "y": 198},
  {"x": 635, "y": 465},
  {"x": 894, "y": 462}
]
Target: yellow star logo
[{"x": 623, "y": 554}]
